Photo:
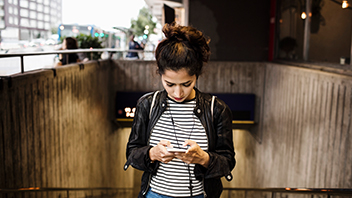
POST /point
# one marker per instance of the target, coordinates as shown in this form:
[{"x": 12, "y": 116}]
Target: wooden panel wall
[{"x": 56, "y": 128}]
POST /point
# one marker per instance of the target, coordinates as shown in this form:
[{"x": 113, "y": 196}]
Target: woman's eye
[
  {"x": 187, "y": 85},
  {"x": 170, "y": 85}
]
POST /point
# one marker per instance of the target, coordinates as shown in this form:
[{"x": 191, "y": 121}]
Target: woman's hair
[
  {"x": 71, "y": 43},
  {"x": 184, "y": 47}
]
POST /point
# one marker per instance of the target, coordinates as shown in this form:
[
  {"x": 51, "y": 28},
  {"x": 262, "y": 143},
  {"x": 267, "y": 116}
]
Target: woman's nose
[{"x": 178, "y": 92}]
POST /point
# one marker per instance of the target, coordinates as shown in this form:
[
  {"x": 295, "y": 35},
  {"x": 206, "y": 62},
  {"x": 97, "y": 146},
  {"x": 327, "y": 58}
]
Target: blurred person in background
[
  {"x": 67, "y": 44},
  {"x": 133, "y": 45}
]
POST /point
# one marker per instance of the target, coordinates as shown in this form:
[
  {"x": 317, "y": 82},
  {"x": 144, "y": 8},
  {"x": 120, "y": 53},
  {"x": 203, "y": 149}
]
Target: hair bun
[
  {"x": 183, "y": 47},
  {"x": 173, "y": 32}
]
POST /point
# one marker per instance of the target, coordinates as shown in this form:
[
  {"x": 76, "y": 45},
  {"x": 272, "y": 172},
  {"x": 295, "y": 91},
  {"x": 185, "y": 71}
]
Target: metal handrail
[
  {"x": 273, "y": 191},
  {"x": 109, "y": 50},
  {"x": 112, "y": 50}
]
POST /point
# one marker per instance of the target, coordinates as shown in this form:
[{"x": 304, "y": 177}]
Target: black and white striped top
[{"x": 173, "y": 178}]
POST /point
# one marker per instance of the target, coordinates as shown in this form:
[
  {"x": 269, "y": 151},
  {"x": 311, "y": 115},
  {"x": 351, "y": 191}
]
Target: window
[
  {"x": 40, "y": 25},
  {"x": 40, "y": 8},
  {"x": 24, "y": 13},
  {"x": 53, "y": 12},
  {"x": 46, "y": 9},
  {"x": 46, "y": 17},
  {"x": 329, "y": 32},
  {"x": 15, "y": 20},
  {"x": 24, "y": 3},
  {"x": 40, "y": 16},
  {"x": 33, "y": 14},
  {"x": 33, "y": 5},
  {"x": 24, "y": 22},
  {"x": 33, "y": 23}
]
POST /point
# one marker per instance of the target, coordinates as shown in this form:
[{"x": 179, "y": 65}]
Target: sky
[{"x": 101, "y": 13}]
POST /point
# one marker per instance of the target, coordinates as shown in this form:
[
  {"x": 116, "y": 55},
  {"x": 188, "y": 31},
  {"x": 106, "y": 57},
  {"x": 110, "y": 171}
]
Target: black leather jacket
[{"x": 219, "y": 132}]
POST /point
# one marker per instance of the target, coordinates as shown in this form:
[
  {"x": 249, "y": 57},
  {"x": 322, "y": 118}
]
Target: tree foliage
[
  {"x": 144, "y": 19},
  {"x": 87, "y": 42}
]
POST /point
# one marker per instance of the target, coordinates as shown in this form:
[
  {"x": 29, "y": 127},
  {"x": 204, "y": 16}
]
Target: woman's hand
[
  {"x": 159, "y": 152},
  {"x": 194, "y": 154}
]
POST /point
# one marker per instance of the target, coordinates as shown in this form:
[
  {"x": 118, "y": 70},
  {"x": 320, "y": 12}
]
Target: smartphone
[{"x": 176, "y": 150}]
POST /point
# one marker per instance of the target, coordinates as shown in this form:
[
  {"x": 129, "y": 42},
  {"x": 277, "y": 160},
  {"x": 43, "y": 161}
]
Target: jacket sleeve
[
  {"x": 222, "y": 158},
  {"x": 137, "y": 151}
]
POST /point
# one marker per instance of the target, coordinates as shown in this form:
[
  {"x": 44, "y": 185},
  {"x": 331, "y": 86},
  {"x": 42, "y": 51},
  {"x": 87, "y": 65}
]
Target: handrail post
[
  {"x": 68, "y": 193},
  {"x": 273, "y": 195},
  {"x": 22, "y": 64}
]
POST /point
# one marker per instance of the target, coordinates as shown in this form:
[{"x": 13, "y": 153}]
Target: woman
[
  {"x": 69, "y": 43},
  {"x": 181, "y": 117}
]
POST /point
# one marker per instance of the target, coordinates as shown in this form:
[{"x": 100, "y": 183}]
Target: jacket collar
[{"x": 163, "y": 97}]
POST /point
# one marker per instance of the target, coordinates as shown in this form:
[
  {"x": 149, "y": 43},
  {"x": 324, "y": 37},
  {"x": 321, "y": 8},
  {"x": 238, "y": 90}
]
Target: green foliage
[
  {"x": 144, "y": 19},
  {"x": 87, "y": 42},
  {"x": 54, "y": 30}
]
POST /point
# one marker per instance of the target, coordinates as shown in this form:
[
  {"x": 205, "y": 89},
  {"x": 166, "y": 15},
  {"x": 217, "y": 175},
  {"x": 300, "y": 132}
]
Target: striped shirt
[{"x": 177, "y": 124}]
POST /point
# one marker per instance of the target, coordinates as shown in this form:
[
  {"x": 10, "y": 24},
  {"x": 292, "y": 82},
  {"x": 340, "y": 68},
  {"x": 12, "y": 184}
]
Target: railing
[
  {"x": 68, "y": 192},
  {"x": 307, "y": 191},
  {"x": 110, "y": 51}
]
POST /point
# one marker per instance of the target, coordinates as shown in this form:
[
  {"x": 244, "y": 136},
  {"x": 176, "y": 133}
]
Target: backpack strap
[
  {"x": 212, "y": 108},
  {"x": 153, "y": 102}
]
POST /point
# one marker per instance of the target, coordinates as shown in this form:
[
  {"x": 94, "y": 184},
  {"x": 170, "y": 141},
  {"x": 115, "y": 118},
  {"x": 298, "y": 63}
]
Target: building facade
[{"x": 30, "y": 19}]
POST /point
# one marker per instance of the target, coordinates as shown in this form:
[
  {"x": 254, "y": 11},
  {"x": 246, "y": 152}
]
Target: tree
[
  {"x": 144, "y": 25},
  {"x": 87, "y": 42}
]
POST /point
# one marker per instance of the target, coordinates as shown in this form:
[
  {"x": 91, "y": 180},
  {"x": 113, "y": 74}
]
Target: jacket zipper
[{"x": 147, "y": 187}]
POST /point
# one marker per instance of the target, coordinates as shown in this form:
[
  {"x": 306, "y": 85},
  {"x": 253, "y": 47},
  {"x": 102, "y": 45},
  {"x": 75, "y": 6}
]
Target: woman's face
[{"x": 179, "y": 85}]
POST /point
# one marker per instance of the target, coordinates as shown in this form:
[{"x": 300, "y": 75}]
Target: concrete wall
[
  {"x": 57, "y": 128},
  {"x": 306, "y": 135}
]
